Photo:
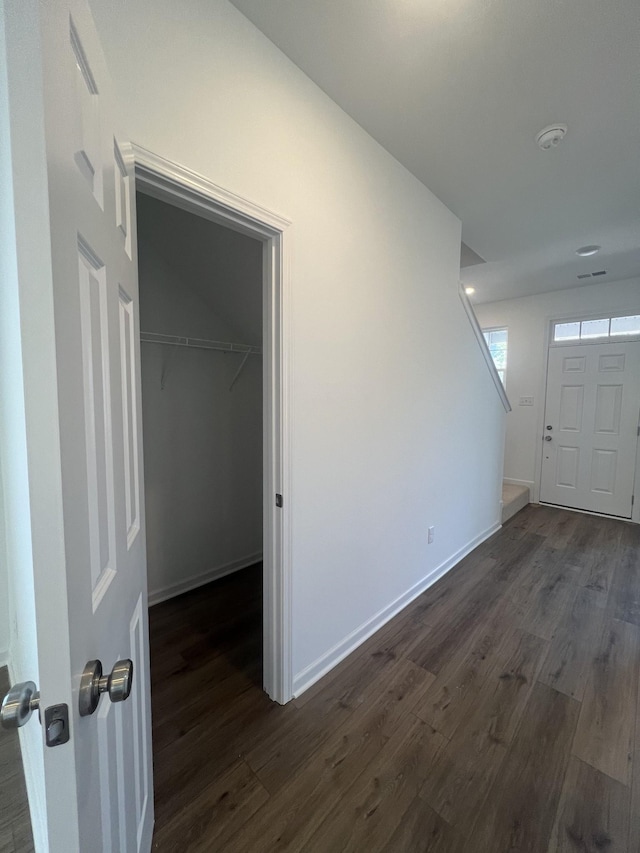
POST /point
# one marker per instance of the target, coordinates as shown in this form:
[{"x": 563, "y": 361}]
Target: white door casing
[
  {"x": 592, "y": 406},
  {"x": 179, "y": 186},
  {"x": 90, "y": 513}
]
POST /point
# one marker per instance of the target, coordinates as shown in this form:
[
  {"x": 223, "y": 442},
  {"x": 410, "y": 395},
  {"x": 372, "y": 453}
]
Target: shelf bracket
[{"x": 239, "y": 370}]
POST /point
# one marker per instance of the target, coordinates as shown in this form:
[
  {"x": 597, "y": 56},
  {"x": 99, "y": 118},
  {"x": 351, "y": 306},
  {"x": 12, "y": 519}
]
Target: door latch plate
[{"x": 56, "y": 724}]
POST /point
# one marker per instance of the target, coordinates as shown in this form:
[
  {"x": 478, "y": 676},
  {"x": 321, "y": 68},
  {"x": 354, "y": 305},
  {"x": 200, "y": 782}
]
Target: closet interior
[{"x": 201, "y": 310}]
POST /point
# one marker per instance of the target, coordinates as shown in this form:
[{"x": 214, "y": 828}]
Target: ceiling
[
  {"x": 457, "y": 90},
  {"x": 222, "y": 266}
]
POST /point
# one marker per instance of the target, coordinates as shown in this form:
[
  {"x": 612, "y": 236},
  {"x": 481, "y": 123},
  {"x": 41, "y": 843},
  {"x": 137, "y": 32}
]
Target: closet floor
[{"x": 497, "y": 712}]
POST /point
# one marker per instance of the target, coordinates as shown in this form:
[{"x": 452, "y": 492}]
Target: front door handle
[
  {"x": 93, "y": 684},
  {"x": 19, "y": 704},
  {"x": 547, "y": 438}
]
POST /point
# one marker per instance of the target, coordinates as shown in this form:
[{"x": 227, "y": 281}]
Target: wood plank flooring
[
  {"x": 15, "y": 822},
  {"x": 499, "y": 712}
]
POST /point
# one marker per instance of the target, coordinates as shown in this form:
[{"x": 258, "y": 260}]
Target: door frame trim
[
  {"x": 181, "y": 187},
  {"x": 566, "y": 316}
]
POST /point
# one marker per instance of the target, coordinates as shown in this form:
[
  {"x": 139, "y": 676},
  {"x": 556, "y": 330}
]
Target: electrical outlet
[
  {"x": 430, "y": 535},
  {"x": 526, "y": 401}
]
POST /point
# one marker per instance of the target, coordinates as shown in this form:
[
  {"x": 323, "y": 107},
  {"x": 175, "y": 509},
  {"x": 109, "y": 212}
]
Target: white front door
[
  {"x": 591, "y": 427},
  {"x": 74, "y": 201}
]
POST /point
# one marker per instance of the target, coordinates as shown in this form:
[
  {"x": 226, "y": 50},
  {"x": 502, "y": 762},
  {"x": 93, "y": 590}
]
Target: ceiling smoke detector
[
  {"x": 550, "y": 136},
  {"x": 587, "y": 251}
]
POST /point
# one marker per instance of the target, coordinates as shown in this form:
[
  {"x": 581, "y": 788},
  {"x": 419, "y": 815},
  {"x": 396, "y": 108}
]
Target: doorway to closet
[
  {"x": 215, "y": 367},
  {"x": 201, "y": 327},
  {"x": 202, "y": 408},
  {"x": 243, "y": 344}
]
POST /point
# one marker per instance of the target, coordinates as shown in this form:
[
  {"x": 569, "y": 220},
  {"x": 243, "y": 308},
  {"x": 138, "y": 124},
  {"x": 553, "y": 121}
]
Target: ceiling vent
[
  {"x": 592, "y": 274},
  {"x": 550, "y": 137}
]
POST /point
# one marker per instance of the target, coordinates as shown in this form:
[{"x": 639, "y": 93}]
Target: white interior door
[
  {"x": 591, "y": 427},
  {"x": 74, "y": 203}
]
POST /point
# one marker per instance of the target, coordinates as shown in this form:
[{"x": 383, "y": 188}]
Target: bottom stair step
[{"x": 514, "y": 498}]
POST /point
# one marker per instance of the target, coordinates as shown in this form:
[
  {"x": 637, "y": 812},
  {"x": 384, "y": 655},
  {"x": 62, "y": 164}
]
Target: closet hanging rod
[{"x": 198, "y": 343}]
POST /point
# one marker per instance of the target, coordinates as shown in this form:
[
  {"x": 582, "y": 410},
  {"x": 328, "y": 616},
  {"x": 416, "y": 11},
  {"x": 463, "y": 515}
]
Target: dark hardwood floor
[
  {"x": 497, "y": 713},
  {"x": 15, "y": 821}
]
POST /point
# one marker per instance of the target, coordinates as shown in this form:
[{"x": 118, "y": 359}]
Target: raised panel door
[{"x": 591, "y": 424}]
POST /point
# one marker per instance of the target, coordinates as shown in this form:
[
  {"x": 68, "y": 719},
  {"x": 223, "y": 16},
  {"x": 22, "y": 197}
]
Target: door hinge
[{"x": 279, "y": 500}]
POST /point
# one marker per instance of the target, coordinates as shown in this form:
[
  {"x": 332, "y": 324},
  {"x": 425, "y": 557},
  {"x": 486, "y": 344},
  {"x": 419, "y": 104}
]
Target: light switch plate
[{"x": 526, "y": 401}]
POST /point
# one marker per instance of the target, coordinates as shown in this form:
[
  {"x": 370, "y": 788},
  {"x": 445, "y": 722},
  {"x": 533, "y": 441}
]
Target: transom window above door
[{"x": 602, "y": 328}]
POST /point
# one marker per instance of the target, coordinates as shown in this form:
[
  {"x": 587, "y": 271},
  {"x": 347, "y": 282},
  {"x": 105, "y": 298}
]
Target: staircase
[{"x": 514, "y": 498}]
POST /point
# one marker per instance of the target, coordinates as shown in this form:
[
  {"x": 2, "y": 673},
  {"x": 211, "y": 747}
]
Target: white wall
[
  {"x": 19, "y": 165},
  {"x": 202, "y": 441},
  {"x": 395, "y": 424},
  {"x": 527, "y": 319},
  {"x": 7, "y": 268},
  {"x": 4, "y": 585}
]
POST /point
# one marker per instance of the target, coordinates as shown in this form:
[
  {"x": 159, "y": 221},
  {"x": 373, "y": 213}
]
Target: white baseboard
[
  {"x": 312, "y": 673},
  {"x": 187, "y": 584}
]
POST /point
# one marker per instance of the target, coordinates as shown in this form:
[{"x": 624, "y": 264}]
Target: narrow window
[{"x": 497, "y": 342}]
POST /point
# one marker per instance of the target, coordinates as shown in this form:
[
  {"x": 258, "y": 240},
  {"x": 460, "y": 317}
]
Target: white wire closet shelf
[
  {"x": 198, "y": 343},
  {"x": 201, "y": 343}
]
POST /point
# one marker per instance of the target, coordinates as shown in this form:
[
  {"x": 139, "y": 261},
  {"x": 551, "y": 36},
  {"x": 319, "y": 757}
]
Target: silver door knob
[
  {"x": 19, "y": 704},
  {"x": 547, "y": 438},
  {"x": 93, "y": 683}
]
